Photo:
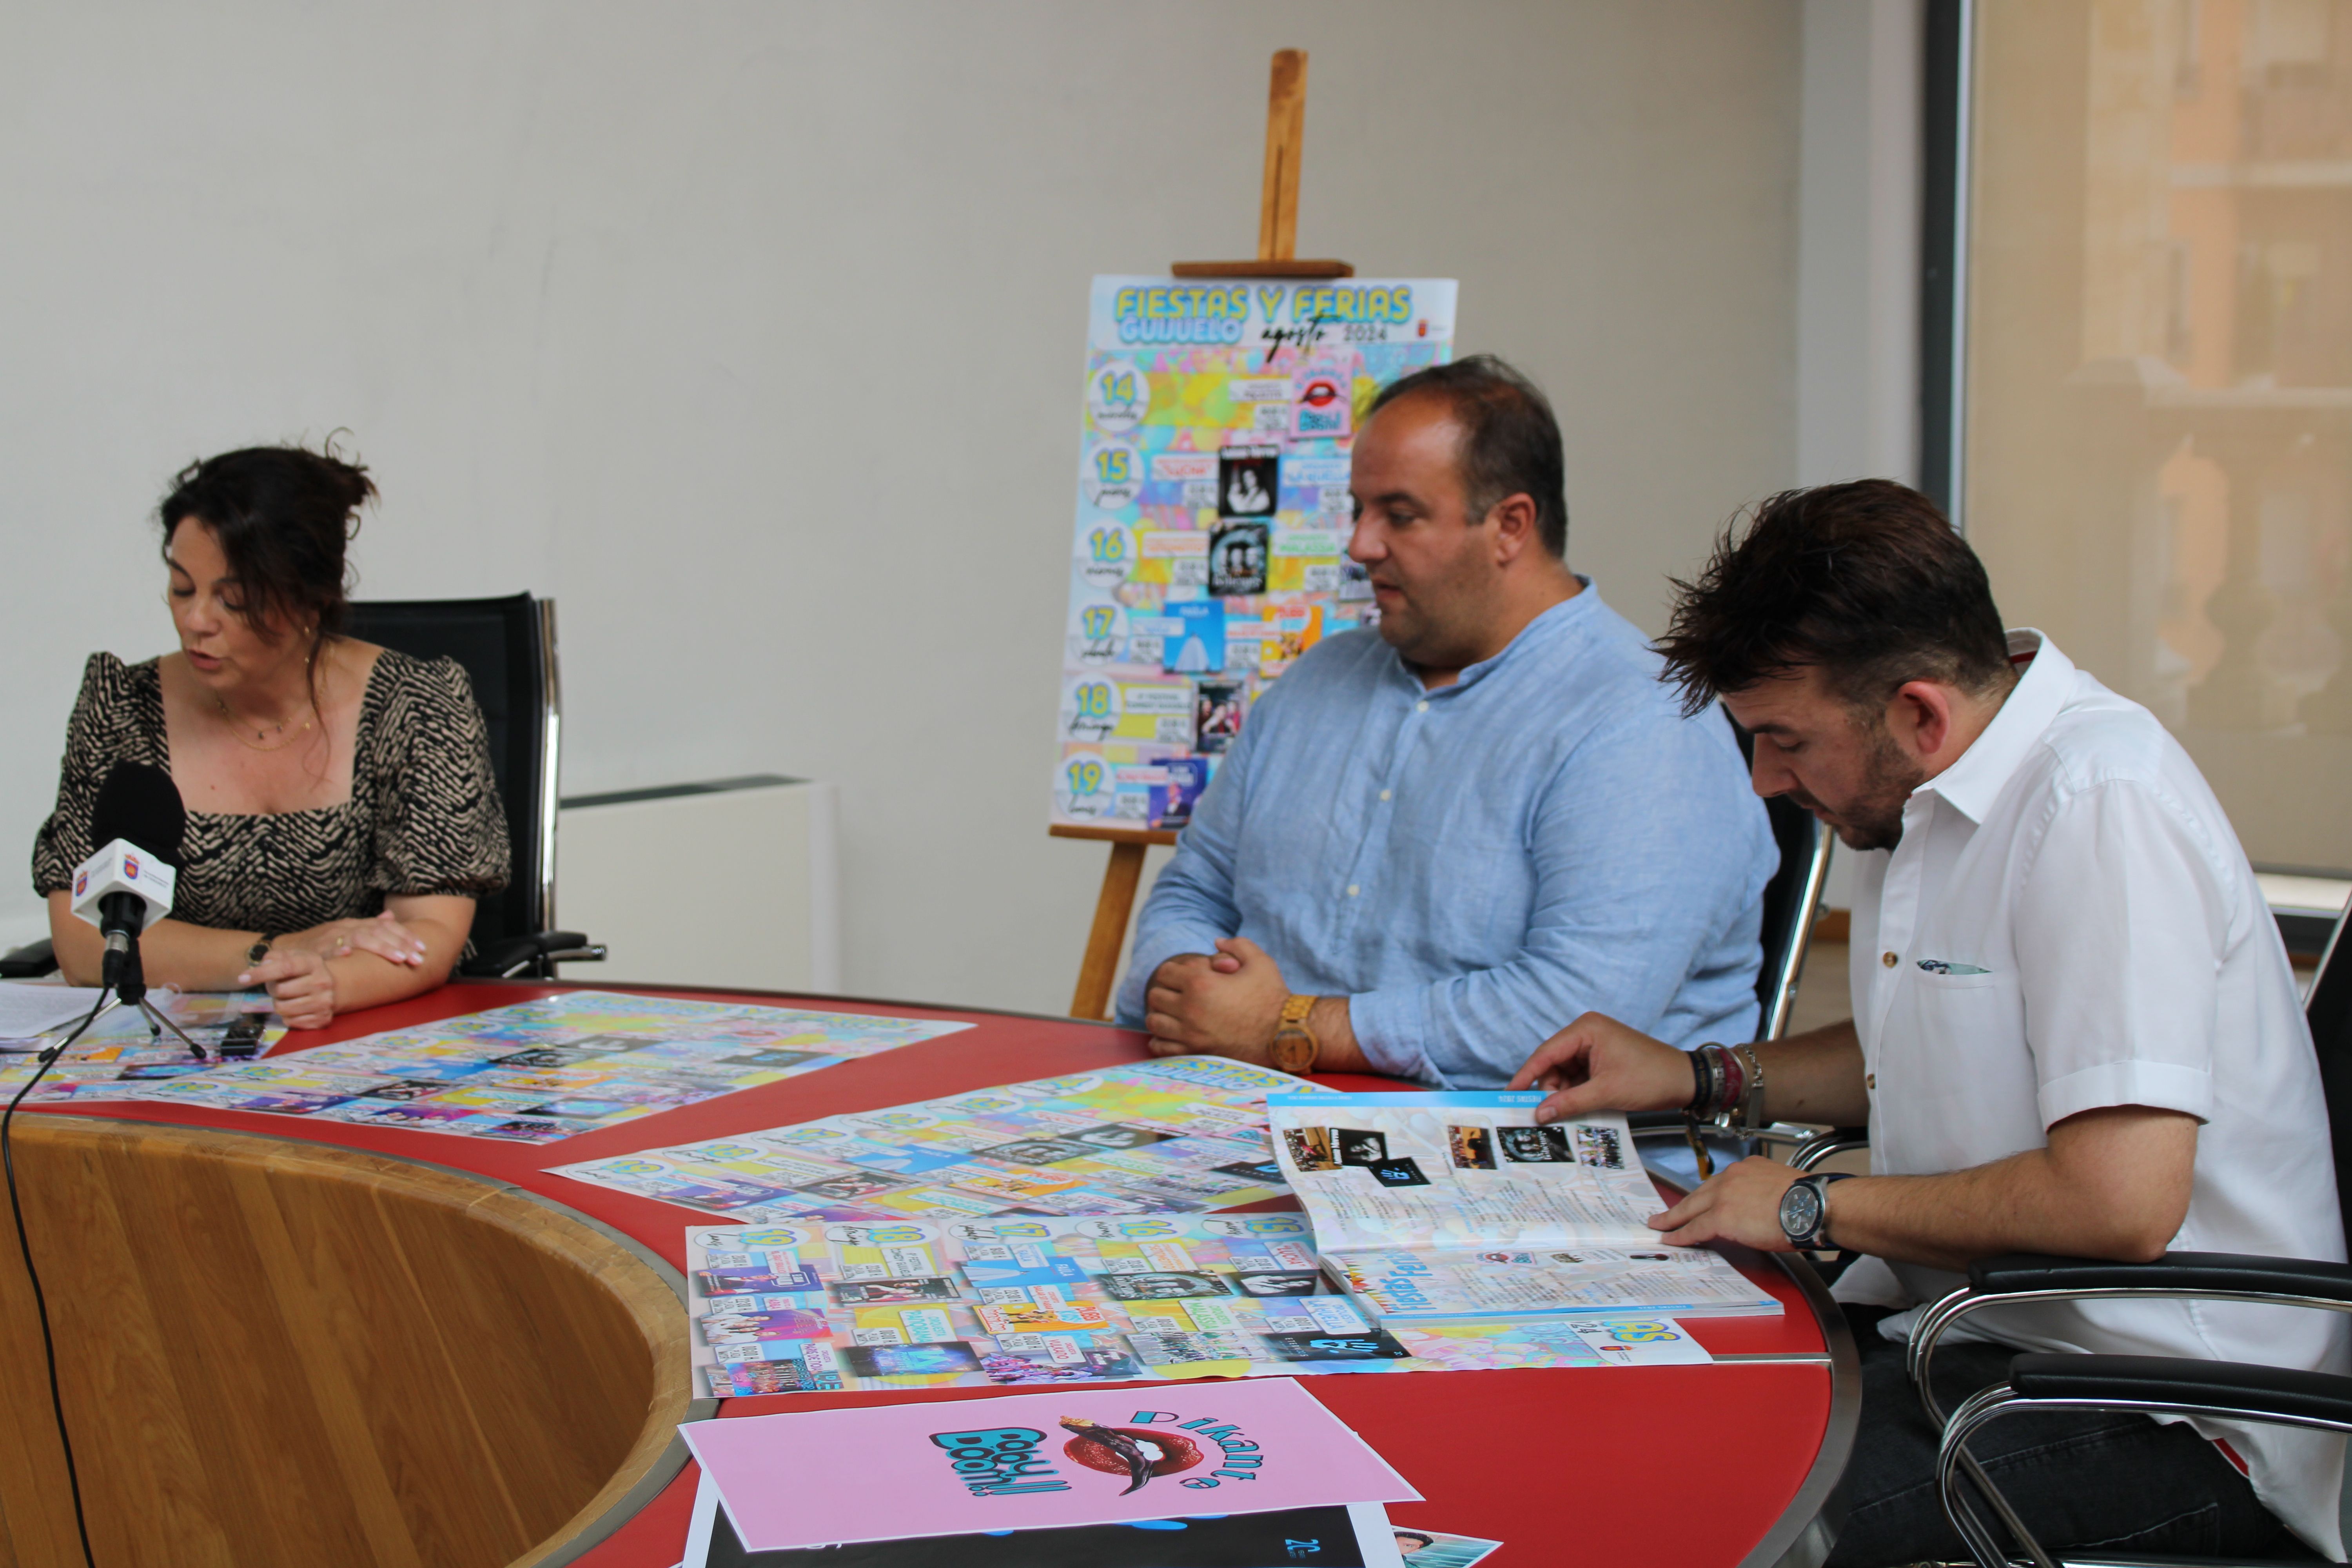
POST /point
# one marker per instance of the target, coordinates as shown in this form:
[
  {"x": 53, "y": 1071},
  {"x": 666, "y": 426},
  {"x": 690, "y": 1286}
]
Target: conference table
[{"x": 285, "y": 1341}]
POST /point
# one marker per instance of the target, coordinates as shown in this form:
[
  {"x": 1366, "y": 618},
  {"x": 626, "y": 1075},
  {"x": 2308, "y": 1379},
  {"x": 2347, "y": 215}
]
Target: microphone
[{"x": 126, "y": 886}]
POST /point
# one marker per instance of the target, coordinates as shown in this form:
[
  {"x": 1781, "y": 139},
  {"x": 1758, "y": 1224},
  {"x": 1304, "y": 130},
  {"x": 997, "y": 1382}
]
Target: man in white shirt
[{"x": 2075, "y": 1032}]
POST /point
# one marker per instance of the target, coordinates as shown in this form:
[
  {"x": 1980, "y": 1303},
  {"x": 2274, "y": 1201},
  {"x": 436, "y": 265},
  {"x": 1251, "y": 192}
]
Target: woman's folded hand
[{"x": 383, "y": 935}]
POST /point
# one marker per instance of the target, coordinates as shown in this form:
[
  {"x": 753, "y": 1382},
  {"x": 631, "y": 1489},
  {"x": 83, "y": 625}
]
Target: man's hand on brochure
[
  {"x": 1599, "y": 1064},
  {"x": 1225, "y": 1004},
  {"x": 1740, "y": 1203}
]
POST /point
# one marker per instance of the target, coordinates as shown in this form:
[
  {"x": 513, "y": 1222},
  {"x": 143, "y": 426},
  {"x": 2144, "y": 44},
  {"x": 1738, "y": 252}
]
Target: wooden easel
[{"x": 1277, "y": 244}]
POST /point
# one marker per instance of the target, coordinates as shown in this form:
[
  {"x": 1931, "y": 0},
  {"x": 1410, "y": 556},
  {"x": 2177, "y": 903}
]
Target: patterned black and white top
[{"x": 424, "y": 814}]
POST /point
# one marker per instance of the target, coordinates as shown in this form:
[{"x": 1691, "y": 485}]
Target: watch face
[
  {"x": 1294, "y": 1049},
  {"x": 1800, "y": 1210}
]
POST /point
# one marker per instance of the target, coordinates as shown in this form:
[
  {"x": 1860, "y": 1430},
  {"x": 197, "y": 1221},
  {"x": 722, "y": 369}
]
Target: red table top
[{"x": 1584, "y": 1460}]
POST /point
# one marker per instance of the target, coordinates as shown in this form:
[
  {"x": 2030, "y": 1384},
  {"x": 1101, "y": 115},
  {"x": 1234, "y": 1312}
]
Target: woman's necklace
[{"x": 237, "y": 728}]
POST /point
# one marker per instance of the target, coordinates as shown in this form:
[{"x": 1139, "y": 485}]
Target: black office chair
[
  {"x": 2157, "y": 1385},
  {"x": 507, "y": 647}
]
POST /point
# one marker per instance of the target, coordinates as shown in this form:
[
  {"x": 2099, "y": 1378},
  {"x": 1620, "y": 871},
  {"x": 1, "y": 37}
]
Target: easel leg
[{"x": 1100, "y": 967}]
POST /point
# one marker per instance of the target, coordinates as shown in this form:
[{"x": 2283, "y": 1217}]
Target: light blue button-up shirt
[{"x": 1475, "y": 866}]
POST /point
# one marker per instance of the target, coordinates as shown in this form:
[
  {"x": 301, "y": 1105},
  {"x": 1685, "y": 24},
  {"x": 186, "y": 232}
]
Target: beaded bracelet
[{"x": 1725, "y": 1077}]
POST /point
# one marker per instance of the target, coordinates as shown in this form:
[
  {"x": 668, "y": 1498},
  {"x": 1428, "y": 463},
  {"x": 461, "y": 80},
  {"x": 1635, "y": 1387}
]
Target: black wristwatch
[
  {"x": 1805, "y": 1211},
  {"x": 260, "y": 949}
]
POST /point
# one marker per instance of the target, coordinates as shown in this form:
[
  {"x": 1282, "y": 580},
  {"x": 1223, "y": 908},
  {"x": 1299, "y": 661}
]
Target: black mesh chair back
[
  {"x": 507, "y": 648},
  {"x": 2329, "y": 1010},
  {"x": 1791, "y": 901}
]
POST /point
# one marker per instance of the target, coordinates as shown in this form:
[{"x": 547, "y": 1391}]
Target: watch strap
[{"x": 260, "y": 948}]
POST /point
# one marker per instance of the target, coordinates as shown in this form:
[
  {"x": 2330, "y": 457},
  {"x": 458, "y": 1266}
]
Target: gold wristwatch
[{"x": 1295, "y": 1045}]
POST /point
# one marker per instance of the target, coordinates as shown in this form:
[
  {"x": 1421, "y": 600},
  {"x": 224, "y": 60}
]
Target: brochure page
[
  {"x": 1401, "y": 1286},
  {"x": 1466, "y": 1171}
]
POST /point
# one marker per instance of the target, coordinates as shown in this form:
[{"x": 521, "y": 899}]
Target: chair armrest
[
  {"x": 29, "y": 962},
  {"x": 2215, "y": 1273},
  {"x": 534, "y": 953},
  {"x": 2274, "y": 1391}
]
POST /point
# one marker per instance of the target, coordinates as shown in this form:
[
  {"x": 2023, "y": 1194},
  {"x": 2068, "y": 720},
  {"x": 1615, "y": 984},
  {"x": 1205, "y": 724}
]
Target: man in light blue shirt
[{"x": 1436, "y": 842}]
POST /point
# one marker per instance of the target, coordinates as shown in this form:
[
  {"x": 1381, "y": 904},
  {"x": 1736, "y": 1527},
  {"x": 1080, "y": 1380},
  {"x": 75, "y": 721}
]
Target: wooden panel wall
[{"x": 275, "y": 1352}]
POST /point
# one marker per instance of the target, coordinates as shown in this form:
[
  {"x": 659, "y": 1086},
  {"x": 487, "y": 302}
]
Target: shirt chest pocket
[
  {"x": 1953, "y": 1017},
  {"x": 1951, "y": 983}
]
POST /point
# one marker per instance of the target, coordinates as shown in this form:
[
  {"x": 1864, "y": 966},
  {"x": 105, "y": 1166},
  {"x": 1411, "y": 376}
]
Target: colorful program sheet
[
  {"x": 1213, "y": 514},
  {"x": 1035, "y": 1462},
  {"x": 124, "y": 1054},
  {"x": 1461, "y": 1172},
  {"x": 814, "y": 1306},
  {"x": 542, "y": 1070},
  {"x": 1175, "y": 1136}
]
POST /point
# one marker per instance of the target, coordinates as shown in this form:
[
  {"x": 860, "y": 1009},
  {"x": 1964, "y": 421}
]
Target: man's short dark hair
[
  {"x": 1865, "y": 580},
  {"x": 1510, "y": 442}
]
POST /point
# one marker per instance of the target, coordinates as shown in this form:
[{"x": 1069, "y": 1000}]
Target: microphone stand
[{"x": 132, "y": 989}]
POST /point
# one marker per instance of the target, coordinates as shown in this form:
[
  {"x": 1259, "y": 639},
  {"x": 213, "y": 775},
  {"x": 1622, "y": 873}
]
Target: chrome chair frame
[
  {"x": 1953, "y": 1459},
  {"x": 2175, "y": 1278}
]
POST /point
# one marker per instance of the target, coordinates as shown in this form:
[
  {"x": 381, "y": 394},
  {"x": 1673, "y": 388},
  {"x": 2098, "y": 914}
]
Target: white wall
[
  {"x": 751, "y": 330},
  {"x": 1858, "y": 256}
]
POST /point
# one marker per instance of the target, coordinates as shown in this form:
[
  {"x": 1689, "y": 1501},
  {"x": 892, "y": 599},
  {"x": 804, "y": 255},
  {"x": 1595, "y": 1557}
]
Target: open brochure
[{"x": 1459, "y": 1207}]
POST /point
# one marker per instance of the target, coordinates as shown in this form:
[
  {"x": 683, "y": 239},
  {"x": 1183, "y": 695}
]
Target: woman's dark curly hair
[{"x": 285, "y": 517}]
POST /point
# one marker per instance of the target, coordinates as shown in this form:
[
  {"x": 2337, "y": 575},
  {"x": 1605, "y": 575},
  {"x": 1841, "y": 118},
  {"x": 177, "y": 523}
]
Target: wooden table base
[{"x": 283, "y": 1353}]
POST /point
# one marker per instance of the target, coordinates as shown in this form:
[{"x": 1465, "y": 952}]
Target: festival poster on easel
[{"x": 1213, "y": 515}]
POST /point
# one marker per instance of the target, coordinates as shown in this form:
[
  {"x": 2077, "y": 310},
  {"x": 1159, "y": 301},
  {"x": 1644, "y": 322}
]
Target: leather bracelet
[{"x": 1708, "y": 1098}]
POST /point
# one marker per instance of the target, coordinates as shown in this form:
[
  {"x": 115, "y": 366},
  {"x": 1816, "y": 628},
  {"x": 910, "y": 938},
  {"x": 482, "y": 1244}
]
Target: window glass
[{"x": 2158, "y": 435}]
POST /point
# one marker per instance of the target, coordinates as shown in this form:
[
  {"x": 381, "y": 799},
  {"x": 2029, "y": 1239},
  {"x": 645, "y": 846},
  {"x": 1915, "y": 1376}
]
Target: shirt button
[
  {"x": 1421, "y": 707},
  {"x": 1887, "y": 959},
  {"x": 1870, "y": 1082},
  {"x": 1351, "y": 890},
  {"x": 1384, "y": 794}
]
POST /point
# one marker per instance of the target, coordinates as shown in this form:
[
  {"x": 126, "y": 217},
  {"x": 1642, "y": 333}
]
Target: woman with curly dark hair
[{"x": 342, "y": 817}]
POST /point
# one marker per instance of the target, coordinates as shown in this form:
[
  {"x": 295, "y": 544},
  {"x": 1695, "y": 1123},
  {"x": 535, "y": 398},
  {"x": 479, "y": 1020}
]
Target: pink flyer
[{"x": 1033, "y": 1461}]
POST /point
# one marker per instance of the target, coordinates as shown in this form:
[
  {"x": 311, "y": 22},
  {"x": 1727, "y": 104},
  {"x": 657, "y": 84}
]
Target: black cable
[{"x": 24, "y": 1245}]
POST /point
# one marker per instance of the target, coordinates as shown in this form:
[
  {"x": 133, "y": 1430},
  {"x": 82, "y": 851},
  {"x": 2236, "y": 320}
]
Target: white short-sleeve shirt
[{"x": 2069, "y": 922}]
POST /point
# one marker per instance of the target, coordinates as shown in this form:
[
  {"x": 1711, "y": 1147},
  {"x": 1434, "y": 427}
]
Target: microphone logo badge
[
  {"x": 81, "y": 883},
  {"x": 131, "y": 866}
]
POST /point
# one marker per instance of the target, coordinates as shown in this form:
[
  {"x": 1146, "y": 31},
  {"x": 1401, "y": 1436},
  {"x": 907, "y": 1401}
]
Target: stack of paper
[{"x": 31, "y": 1014}]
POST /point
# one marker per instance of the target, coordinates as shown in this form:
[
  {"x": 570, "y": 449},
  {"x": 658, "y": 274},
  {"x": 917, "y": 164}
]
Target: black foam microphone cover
[{"x": 140, "y": 803}]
